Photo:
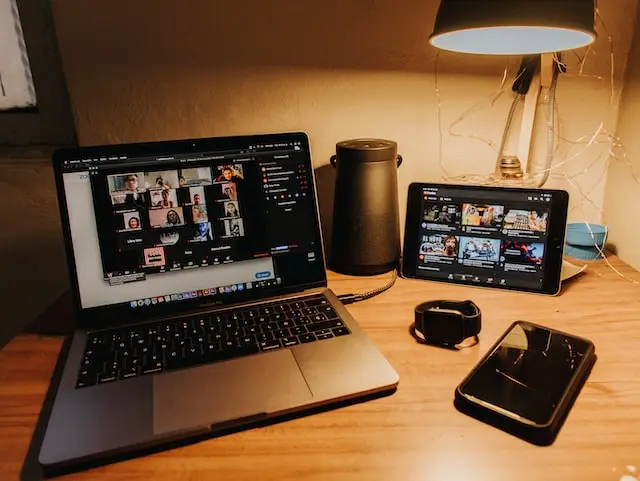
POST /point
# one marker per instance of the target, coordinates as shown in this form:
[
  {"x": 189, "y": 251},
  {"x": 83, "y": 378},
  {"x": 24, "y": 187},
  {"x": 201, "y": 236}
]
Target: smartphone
[{"x": 527, "y": 382}]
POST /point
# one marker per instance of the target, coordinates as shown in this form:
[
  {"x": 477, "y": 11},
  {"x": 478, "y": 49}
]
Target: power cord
[{"x": 363, "y": 296}]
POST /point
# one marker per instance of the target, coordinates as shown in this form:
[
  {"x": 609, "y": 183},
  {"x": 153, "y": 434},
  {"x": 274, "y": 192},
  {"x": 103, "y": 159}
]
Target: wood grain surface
[{"x": 414, "y": 434}]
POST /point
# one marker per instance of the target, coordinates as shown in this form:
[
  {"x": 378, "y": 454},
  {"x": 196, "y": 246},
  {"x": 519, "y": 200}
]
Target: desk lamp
[{"x": 537, "y": 29}]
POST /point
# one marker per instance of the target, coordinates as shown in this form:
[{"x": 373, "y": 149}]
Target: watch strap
[{"x": 467, "y": 312}]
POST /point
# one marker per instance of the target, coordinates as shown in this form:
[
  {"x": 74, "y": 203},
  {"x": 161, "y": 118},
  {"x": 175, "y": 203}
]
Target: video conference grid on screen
[
  {"x": 502, "y": 243},
  {"x": 170, "y": 219}
]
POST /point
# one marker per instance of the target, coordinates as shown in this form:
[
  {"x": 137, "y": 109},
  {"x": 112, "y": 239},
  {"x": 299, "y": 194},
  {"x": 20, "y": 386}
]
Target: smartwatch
[{"x": 454, "y": 324}]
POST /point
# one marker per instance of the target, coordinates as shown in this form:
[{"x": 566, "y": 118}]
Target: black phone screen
[{"x": 528, "y": 372}]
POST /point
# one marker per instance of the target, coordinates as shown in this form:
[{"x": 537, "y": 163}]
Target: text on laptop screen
[{"x": 171, "y": 227}]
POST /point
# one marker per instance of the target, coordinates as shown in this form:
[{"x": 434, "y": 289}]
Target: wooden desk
[{"x": 415, "y": 434}]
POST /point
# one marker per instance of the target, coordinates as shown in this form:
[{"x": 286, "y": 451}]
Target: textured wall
[
  {"x": 159, "y": 69},
  {"x": 33, "y": 272},
  {"x": 150, "y": 70},
  {"x": 623, "y": 183}
]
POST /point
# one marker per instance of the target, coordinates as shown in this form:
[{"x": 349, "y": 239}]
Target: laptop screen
[{"x": 218, "y": 220}]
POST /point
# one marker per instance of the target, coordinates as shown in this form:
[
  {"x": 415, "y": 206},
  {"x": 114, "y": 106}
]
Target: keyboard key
[
  {"x": 246, "y": 322},
  {"x": 254, "y": 330},
  {"x": 296, "y": 331},
  {"x": 328, "y": 312},
  {"x": 280, "y": 333},
  {"x": 240, "y": 332},
  {"x": 265, "y": 311},
  {"x": 317, "y": 326},
  {"x": 304, "y": 338},
  {"x": 151, "y": 368},
  {"x": 107, "y": 377},
  {"x": 221, "y": 336},
  {"x": 298, "y": 305},
  {"x": 193, "y": 351},
  {"x": 282, "y": 308},
  {"x": 130, "y": 372},
  {"x": 309, "y": 311},
  {"x": 269, "y": 345},
  {"x": 265, "y": 336},
  {"x": 290, "y": 341},
  {"x": 324, "y": 335},
  {"x": 86, "y": 378},
  {"x": 318, "y": 318},
  {"x": 295, "y": 313},
  {"x": 269, "y": 326},
  {"x": 286, "y": 324},
  {"x": 86, "y": 382},
  {"x": 318, "y": 301},
  {"x": 340, "y": 331}
]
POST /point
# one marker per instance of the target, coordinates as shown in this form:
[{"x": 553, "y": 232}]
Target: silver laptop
[{"x": 199, "y": 280}]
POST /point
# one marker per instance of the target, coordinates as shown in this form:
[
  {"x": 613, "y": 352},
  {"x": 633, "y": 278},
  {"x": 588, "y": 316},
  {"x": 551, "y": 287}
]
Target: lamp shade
[{"x": 514, "y": 27}]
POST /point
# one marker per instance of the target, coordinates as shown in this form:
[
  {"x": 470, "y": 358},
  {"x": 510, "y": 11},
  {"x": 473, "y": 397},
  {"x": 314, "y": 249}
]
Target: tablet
[{"x": 506, "y": 238}]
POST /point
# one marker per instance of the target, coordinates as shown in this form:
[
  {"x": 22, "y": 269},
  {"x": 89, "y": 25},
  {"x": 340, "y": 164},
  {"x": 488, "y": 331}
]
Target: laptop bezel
[{"x": 110, "y": 315}]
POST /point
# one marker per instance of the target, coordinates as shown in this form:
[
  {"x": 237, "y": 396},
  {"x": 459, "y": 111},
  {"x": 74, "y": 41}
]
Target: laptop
[{"x": 198, "y": 276}]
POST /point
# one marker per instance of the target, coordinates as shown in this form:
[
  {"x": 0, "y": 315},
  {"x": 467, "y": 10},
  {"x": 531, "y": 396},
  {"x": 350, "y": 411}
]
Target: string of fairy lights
[{"x": 614, "y": 150}]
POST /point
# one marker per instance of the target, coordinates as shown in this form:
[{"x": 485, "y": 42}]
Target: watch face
[{"x": 443, "y": 327}]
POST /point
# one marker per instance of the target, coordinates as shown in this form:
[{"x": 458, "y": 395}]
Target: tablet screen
[{"x": 489, "y": 236}]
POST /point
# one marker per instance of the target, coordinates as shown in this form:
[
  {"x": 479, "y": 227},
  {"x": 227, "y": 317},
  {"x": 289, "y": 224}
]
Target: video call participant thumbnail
[
  {"x": 194, "y": 177},
  {"x": 125, "y": 190},
  {"x": 131, "y": 221},
  {"x": 230, "y": 173},
  {"x": 163, "y": 198},
  {"x": 199, "y": 214},
  {"x": 167, "y": 179},
  {"x": 162, "y": 218},
  {"x": 234, "y": 228},
  {"x": 154, "y": 257},
  {"x": 200, "y": 232},
  {"x": 166, "y": 237},
  {"x": 231, "y": 209},
  {"x": 229, "y": 191},
  {"x": 197, "y": 196}
]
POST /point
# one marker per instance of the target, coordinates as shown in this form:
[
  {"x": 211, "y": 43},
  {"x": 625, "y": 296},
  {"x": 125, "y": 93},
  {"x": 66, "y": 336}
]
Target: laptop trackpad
[{"x": 225, "y": 391}]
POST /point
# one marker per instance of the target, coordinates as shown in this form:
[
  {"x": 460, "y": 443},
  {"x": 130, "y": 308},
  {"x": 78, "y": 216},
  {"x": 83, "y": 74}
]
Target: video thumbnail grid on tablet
[
  {"x": 486, "y": 236},
  {"x": 153, "y": 211}
]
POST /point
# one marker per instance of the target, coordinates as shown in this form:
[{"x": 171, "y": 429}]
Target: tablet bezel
[{"x": 551, "y": 283}]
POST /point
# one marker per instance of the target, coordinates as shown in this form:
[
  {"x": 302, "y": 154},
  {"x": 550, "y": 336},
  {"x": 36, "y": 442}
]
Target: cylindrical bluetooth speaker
[{"x": 366, "y": 228}]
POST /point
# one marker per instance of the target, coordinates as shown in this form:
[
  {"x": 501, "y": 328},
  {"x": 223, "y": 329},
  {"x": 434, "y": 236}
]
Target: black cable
[{"x": 363, "y": 296}]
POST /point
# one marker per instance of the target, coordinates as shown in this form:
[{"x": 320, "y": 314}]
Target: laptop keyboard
[{"x": 124, "y": 353}]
